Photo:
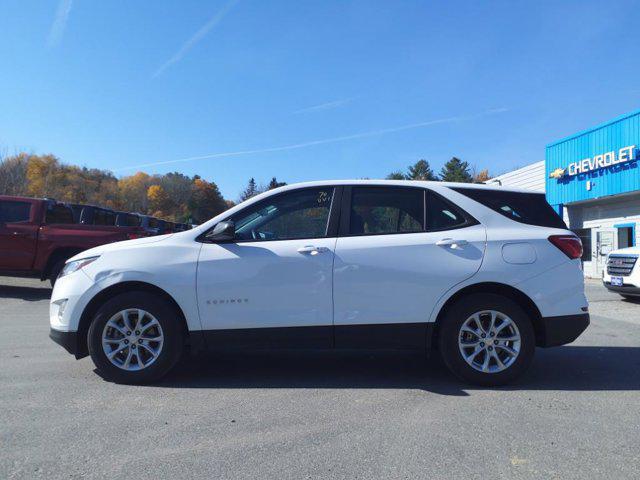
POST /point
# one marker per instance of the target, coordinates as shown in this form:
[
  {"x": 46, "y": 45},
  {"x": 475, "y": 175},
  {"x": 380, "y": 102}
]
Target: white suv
[
  {"x": 480, "y": 274},
  {"x": 622, "y": 274}
]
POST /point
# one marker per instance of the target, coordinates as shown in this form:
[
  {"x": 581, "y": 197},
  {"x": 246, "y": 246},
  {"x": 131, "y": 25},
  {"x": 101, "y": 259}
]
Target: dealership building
[{"x": 592, "y": 179}]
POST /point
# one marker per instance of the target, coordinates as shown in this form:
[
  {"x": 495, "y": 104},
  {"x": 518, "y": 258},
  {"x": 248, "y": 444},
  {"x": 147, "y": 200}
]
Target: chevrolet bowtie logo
[{"x": 557, "y": 173}]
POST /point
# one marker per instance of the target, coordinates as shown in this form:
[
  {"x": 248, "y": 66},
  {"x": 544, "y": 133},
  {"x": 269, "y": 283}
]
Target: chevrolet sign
[{"x": 608, "y": 159}]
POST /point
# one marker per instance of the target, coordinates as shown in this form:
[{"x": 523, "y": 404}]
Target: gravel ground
[{"x": 575, "y": 414}]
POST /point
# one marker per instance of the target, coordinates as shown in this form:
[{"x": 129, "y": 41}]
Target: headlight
[{"x": 76, "y": 265}]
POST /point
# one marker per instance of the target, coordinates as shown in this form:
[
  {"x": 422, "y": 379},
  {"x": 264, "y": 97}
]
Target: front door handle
[
  {"x": 312, "y": 250},
  {"x": 450, "y": 242}
]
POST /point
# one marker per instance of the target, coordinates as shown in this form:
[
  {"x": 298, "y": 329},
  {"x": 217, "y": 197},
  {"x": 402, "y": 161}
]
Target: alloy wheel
[
  {"x": 489, "y": 341},
  {"x": 132, "y": 339}
]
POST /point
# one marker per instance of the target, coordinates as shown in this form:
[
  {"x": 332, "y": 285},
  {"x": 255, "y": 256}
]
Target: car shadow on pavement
[
  {"x": 569, "y": 368},
  {"x": 30, "y": 294}
]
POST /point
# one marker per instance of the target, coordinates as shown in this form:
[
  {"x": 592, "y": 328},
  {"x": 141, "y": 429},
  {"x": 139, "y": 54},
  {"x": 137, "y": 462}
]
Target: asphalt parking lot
[{"x": 575, "y": 414}]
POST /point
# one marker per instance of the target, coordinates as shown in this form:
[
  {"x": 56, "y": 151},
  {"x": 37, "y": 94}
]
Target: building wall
[
  {"x": 604, "y": 217},
  {"x": 530, "y": 177},
  {"x": 607, "y": 143}
]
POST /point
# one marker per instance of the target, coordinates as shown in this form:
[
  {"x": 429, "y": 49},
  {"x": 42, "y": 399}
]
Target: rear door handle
[
  {"x": 450, "y": 242},
  {"x": 312, "y": 250}
]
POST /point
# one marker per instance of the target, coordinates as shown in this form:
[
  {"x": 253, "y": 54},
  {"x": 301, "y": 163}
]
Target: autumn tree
[
  {"x": 13, "y": 175},
  {"x": 482, "y": 176},
  {"x": 206, "y": 201},
  {"x": 133, "y": 192},
  {"x": 159, "y": 201}
]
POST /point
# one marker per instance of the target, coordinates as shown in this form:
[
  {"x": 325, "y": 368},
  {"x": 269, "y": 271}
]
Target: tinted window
[
  {"x": 379, "y": 210},
  {"x": 529, "y": 208},
  {"x": 14, "y": 212},
  {"x": 443, "y": 215},
  {"x": 298, "y": 214},
  {"x": 59, "y": 214},
  {"x": 127, "y": 220},
  {"x": 104, "y": 217}
]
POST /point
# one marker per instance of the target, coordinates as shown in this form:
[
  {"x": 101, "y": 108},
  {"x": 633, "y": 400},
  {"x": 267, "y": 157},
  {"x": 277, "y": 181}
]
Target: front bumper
[
  {"x": 563, "y": 329},
  {"x": 68, "y": 340},
  {"x": 625, "y": 289}
]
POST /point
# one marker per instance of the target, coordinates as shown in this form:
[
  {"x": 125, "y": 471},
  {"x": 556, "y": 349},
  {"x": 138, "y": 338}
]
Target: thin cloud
[
  {"x": 196, "y": 37},
  {"x": 296, "y": 146},
  {"x": 59, "y": 23},
  {"x": 324, "y": 106}
]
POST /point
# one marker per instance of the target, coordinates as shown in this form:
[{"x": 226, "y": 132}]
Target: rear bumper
[
  {"x": 562, "y": 330},
  {"x": 623, "y": 289},
  {"x": 68, "y": 340}
]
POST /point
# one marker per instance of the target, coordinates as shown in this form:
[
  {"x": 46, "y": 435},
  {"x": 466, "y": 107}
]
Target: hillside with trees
[{"x": 172, "y": 196}]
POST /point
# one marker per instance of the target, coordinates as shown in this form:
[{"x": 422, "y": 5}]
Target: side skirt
[{"x": 394, "y": 336}]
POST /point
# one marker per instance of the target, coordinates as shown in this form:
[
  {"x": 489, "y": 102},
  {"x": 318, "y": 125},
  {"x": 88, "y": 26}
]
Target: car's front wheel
[
  {"x": 487, "y": 339},
  {"x": 135, "y": 337}
]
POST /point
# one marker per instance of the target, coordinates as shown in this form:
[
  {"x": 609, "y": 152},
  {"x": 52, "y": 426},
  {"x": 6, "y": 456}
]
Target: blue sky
[{"x": 306, "y": 90}]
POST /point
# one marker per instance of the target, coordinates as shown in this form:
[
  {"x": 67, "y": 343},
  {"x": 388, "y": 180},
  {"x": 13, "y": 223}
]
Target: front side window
[
  {"x": 14, "y": 212},
  {"x": 292, "y": 215},
  {"x": 383, "y": 210}
]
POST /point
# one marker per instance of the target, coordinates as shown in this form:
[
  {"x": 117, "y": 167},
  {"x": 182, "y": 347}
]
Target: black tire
[
  {"x": 55, "y": 271},
  {"x": 170, "y": 321},
  {"x": 450, "y": 328}
]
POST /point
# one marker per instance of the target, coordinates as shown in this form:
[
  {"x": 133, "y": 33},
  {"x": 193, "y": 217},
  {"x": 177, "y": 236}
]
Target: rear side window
[
  {"x": 104, "y": 217},
  {"x": 14, "y": 212},
  {"x": 381, "y": 210},
  {"x": 59, "y": 214},
  {"x": 443, "y": 215},
  {"x": 530, "y": 208},
  {"x": 127, "y": 220}
]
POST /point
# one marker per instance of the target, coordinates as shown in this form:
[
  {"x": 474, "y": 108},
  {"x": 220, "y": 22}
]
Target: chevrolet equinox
[{"x": 480, "y": 274}]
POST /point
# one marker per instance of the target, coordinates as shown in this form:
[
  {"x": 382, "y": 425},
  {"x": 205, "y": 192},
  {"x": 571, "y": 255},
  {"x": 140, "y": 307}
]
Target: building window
[{"x": 585, "y": 238}]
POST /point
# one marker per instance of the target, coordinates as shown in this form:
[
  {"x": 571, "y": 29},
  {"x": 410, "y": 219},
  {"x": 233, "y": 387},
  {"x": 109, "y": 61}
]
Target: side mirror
[{"x": 222, "y": 232}]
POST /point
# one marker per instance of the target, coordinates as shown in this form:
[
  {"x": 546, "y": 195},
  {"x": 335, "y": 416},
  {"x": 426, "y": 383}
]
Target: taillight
[
  {"x": 570, "y": 245},
  {"x": 133, "y": 236}
]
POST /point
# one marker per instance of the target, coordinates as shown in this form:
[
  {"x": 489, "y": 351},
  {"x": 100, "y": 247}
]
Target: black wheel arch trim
[
  {"x": 194, "y": 338},
  {"x": 508, "y": 291}
]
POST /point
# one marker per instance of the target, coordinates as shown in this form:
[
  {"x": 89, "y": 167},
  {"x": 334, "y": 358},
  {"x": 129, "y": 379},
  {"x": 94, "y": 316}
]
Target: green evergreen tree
[
  {"x": 274, "y": 183},
  {"x": 421, "y": 170},
  {"x": 455, "y": 170},
  {"x": 250, "y": 191},
  {"x": 396, "y": 176}
]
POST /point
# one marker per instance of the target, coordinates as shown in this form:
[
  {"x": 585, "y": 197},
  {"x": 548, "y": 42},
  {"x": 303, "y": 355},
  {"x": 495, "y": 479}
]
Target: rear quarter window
[{"x": 529, "y": 208}]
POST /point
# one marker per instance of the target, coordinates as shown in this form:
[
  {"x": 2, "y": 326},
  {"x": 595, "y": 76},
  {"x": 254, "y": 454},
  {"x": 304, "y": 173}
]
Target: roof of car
[{"x": 409, "y": 183}]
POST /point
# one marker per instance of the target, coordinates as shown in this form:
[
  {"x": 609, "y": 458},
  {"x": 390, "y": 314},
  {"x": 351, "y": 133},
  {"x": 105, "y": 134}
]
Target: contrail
[
  {"x": 324, "y": 141},
  {"x": 324, "y": 106},
  {"x": 59, "y": 23},
  {"x": 197, "y": 37}
]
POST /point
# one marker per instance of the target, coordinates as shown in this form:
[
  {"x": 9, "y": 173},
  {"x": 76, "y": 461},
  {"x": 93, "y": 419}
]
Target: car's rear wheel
[
  {"x": 135, "y": 337},
  {"x": 486, "y": 339}
]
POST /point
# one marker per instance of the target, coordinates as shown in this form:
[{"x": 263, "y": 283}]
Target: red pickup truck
[{"x": 37, "y": 236}]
